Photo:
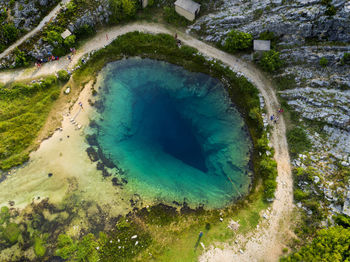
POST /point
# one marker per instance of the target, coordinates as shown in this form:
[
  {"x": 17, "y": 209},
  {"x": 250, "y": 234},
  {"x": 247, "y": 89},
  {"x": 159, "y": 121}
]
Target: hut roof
[
  {"x": 188, "y": 5},
  {"x": 262, "y": 45},
  {"x": 65, "y": 34}
]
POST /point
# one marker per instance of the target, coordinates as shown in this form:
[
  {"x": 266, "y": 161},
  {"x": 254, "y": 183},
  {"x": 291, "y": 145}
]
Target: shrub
[
  {"x": 54, "y": 38},
  {"x": 331, "y": 244},
  {"x": 268, "y": 35},
  {"x": 342, "y": 220},
  {"x": 70, "y": 41},
  {"x": 330, "y": 11},
  {"x": 8, "y": 33},
  {"x": 300, "y": 195},
  {"x": 285, "y": 82},
  {"x": 326, "y": 2},
  {"x": 122, "y": 9},
  {"x": 270, "y": 61},
  {"x": 63, "y": 75},
  {"x": 85, "y": 31},
  {"x": 298, "y": 141},
  {"x": 346, "y": 59},
  {"x": 237, "y": 40},
  {"x": 21, "y": 58},
  {"x": 323, "y": 62}
]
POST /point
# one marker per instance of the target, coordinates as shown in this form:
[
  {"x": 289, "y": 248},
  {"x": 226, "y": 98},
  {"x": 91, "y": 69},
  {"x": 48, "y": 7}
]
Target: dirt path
[
  {"x": 265, "y": 243},
  {"x": 36, "y": 29}
]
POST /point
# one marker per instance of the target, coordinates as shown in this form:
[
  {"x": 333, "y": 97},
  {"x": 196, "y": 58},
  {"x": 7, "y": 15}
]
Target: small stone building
[
  {"x": 65, "y": 34},
  {"x": 187, "y": 9},
  {"x": 262, "y": 45}
]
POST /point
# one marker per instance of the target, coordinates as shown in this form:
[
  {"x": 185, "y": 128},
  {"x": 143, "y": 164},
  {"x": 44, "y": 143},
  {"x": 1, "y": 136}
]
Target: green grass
[
  {"x": 23, "y": 112},
  {"x": 176, "y": 242}
]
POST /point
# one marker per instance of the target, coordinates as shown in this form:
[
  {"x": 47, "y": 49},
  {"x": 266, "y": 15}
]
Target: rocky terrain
[
  {"x": 20, "y": 17},
  {"x": 73, "y": 16},
  {"x": 314, "y": 42},
  {"x": 26, "y": 14}
]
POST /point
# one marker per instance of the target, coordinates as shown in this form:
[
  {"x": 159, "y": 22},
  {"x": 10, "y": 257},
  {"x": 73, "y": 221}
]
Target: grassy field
[
  {"x": 23, "y": 111},
  {"x": 176, "y": 242}
]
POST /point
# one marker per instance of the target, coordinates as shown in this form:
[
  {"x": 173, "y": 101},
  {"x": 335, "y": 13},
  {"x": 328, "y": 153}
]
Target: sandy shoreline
[{"x": 64, "y": 156}]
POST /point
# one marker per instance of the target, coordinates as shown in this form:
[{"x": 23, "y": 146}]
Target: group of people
[
  {"x": 40, "y": 61},
  {"x": 51, "y": 57},
  {"x": 275, "y": 118}
]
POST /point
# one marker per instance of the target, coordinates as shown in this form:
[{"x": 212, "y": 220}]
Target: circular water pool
[{"x": 176, "y": 133}]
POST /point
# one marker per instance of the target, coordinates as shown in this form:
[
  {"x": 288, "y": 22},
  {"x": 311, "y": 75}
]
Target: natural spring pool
[{"x": 175, "y": 133}]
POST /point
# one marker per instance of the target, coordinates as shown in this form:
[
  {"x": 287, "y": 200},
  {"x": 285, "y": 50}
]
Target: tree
[
  {"x": 330, "y": 11},
  {"x": 8, "y": 33},
  {"x": 63, "y": 75},
  {"x": 270, "y": 61},
  {"x": 69, "y": 41},
  {"x": 323, "y": 62},
  {"x": 122, "y": 9},
  {"x": 298, "y": 141},
  {"x": 237, "y": 40},
  {"x": 129, "y": 8},
  {"x": 21, "y": 58},
  {"x": 331, "y": 244},
  {"x": 345, "y": 59},
  {"x": 54, "y": 38}
]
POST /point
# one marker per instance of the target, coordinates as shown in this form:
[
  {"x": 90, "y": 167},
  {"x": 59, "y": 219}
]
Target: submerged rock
[
  {"x": 92, "y": 139},
  {"x": 92, "y": 154}
]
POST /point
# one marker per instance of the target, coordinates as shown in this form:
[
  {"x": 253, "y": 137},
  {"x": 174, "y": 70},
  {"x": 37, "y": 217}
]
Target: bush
[
  {"x": 299, "y": 195},
  {"x": 8, "y": 33},
  {"x": 85, "y": 31},
  {"x": 270, "y": 61},
  {"x": 54, "y": 38},
  {"x": 268, "y": 35},
  {"x": 298, "y": 141},
  {"x": 21, "y": 58},
  {"x": 331, "y": 244},
  {"x": 69, "y": 41},
  {"x": 330, "y": 11},
  {"x": 122, "y": 9},
  {"x": 323, "y": 62},
  {"x": 237, "y": 40},
  {"x": 345, "y": 59},
  {"x": 342, "y": 220},
  {"x": 63, "y": 75}
]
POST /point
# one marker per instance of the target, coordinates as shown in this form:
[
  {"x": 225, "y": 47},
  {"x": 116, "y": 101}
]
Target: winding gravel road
[{"x": 266, "y": 242}]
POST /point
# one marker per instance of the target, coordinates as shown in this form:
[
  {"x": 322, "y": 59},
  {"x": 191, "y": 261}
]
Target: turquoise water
[{"x": 175, "y": 133}]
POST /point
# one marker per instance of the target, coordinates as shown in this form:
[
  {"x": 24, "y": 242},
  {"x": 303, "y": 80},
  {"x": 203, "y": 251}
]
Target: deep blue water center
[{"x": 176, "y": 133}]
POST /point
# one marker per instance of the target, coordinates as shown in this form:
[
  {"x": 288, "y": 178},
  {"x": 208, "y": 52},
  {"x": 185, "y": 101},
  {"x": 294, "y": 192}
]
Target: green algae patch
[
  {"x": 11, "y": 233},
  {"x": 39, "y": 247}
]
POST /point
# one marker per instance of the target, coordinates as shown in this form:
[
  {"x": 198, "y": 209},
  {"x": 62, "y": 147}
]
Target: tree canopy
[
  {"x": 237, "y": 40},
  {"x": 331, "y": 244}
]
